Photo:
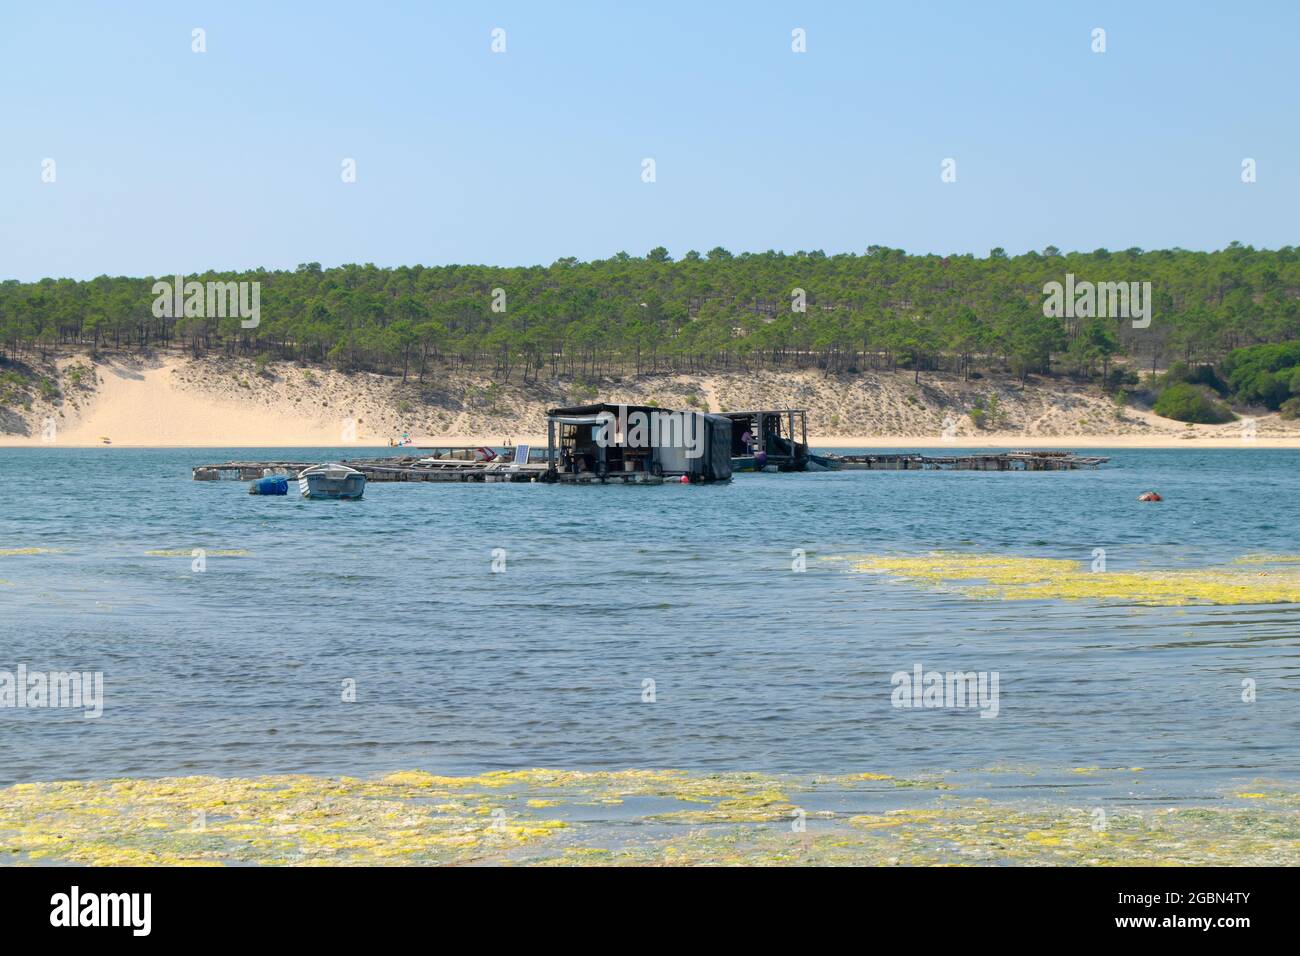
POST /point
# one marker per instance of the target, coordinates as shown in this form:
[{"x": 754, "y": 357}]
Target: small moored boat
[{"x": 332, "y": 481}]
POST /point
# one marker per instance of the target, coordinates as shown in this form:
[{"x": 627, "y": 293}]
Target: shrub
[
  {"x": 1121, "y": 378},
  {"x": 1181, "y": 372},
  {"x": 1191, "y": 403},
  {"x": 13, "y": 390},
  {"x": 996, "y": 417},
  {"x": 1263, "y": 374},
  {"x": 80, "y": 376},
  {"x": 987, "y": 413},
  {"x": 1291, "y": 408}
]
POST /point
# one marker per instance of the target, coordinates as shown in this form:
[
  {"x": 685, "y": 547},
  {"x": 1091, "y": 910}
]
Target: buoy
[
  {"x": 1149, "y": 496},
  {"x": 686, "y": 479},
  {"x": 270, "y": 485}
]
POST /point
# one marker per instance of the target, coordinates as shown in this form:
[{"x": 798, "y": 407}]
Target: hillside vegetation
[{"x": 883, "y": 310}]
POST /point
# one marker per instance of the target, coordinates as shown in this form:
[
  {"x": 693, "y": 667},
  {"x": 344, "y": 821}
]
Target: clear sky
[{"x": 168, "y": 160}]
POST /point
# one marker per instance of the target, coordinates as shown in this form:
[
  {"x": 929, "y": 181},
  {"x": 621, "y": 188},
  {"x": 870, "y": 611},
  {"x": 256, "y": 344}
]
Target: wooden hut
[
  {"x": 636, "y": 443},
  {"x": 769, "y": 438}
]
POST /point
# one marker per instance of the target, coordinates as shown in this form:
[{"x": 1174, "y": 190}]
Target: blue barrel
[{"x": 270, "y": 485}]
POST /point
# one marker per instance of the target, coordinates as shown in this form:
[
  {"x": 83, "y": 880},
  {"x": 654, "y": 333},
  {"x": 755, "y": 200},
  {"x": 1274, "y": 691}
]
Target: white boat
[{"x": 331, "y": 481}]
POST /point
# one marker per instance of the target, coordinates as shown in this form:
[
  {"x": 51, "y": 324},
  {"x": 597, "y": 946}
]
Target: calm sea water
[{"x": 238, "y": 669}]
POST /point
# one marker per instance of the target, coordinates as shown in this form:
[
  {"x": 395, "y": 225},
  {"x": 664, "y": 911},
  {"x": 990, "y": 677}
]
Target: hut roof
[
  {"x": 741, "y": 413},
  {"x": 577, "y": 411}
]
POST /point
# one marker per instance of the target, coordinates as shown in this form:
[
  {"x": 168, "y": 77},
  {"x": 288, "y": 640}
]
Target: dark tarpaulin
[{"x": 717, "y": 453}]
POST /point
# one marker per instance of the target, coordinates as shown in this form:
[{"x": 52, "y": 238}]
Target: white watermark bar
[
  {"x": 653, "y": 429},
  {"x": 33, "y": 690},
  {"x": 212, "y": 300},
  {"x": 950, "y": 690},
  {"x": 1100, "y": 300}
]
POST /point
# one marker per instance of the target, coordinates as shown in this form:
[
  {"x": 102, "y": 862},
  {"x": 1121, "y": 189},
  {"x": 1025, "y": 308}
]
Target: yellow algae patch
[
  {"x": 923, "y": 785},
  {"x": 414, "y": 817},
  {"x": 13, "y": 552},
  {"x": 1290, "y": 798},
  {"x": 211, "y": 553},
  {"x": 925, "y": 782},
  {"x": 286, "y": 819},
  {"x": 869, "y": 822},
  {"x": 1016, "y": 578},
  {"x": 418, "y": 778},
  {"x": 1267, "y": 559}
]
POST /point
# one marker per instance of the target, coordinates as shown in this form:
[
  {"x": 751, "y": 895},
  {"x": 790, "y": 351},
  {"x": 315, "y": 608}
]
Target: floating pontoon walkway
[
  {"x": 398, "y": 468},
  {"x": 406, "y": 468},
  {"x": 1000, "y": 461}
]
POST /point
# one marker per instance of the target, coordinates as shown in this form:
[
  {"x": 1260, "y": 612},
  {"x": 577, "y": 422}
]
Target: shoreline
[
  {"x": 178, "y": 402},
  {"x": 873, "y": 442}
]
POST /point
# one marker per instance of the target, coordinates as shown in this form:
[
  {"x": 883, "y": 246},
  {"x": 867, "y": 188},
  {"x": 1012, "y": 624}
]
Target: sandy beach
[{"x": 172, "y": 401}]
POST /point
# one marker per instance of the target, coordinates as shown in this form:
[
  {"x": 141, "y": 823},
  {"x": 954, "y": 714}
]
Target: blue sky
[{"x": 171, "y": 161}]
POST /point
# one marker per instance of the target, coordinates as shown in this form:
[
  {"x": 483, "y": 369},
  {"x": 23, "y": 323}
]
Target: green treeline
[{"x": 712, "y": 311}]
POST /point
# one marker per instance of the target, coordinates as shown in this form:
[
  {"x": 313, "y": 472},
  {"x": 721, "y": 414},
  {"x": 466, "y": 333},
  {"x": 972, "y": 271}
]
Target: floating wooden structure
[
  {"x": 636, "y": 444},
  {"x": 980, "y": 461},
  {"x": 641, "y": 444},
  {"x": 396, "y": 468},
  {"x": 769, "y": 439},
  {"x": 410, "y": 468}
]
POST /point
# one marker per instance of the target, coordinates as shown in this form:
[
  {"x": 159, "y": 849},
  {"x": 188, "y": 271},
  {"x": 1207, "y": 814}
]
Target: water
[{"x": 239, "y": 669}]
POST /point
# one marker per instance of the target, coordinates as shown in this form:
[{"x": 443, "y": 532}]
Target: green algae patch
[
  {"x": 1016, "y": 578},
  {"x": 544, "y": 817}
]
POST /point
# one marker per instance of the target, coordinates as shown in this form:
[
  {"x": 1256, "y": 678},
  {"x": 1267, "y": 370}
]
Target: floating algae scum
[
  {"x": 559, "y": 817},
  {"x": 1252, "y": 579}
]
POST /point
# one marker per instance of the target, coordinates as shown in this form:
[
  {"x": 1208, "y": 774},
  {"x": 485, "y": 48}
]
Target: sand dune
[{"x": 176, "y": 401}]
